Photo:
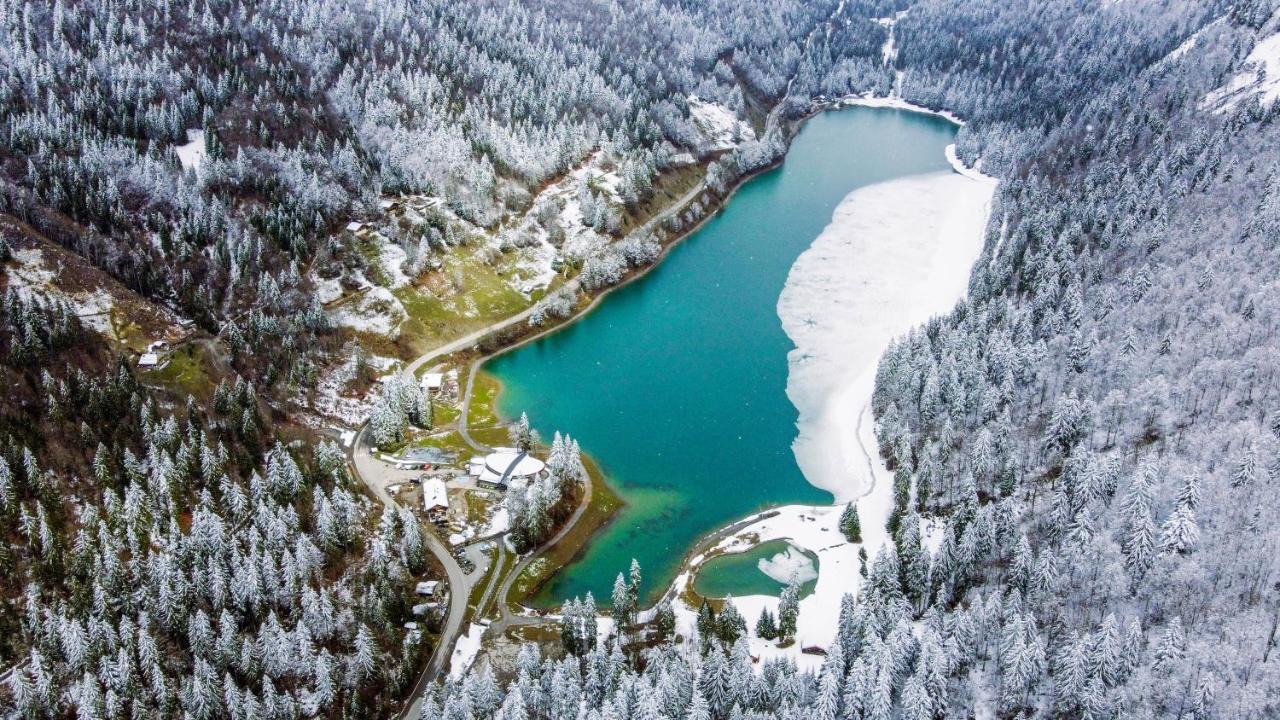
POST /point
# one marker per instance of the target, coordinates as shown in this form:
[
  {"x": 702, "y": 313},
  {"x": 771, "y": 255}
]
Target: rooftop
[
  {"x": 505, "y": 465},
  {"x": 434, "y": 494}
]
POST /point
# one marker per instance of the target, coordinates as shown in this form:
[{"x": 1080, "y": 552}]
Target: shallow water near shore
[
  {"x": 758, "y": 571},
  {"x": 677, "y": 383}
]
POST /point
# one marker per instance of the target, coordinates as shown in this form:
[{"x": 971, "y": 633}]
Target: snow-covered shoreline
[
  {"x": 895, "y": 102},
  {"x": 894, "y": 254}
]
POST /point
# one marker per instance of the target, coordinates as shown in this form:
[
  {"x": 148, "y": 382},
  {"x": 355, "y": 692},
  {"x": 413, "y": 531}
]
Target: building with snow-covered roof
[
  {"x": 435, "y": 498},
  {"x": 149, "y": 359},
  {"x": 504, "y": 465},
  {"x": 427, "y": 588},
  {"x": 354, "y": 226},
  {"x": 432, "y": 382}
]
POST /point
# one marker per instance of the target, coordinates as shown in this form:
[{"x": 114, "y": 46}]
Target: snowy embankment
[
  {"x": 465, "y": 651},
  {"x": 893, "y": 255}
]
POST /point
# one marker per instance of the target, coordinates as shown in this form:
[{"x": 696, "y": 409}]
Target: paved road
[
  {"x": 371, "y": 471},
  {"x": 505, "y": 618},
  {"x": 466, "y": 409}
]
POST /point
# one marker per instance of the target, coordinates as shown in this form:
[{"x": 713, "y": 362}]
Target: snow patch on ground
[
  {"x": 31, "y": 278},
  {"x": 789, "y": 566},
  {"x": 391, "y": 260},
  {"x": 719, "y": 127},
  {"x": 376, "y": 311},
  {"x": 535, "y": 266},
  {"x": 94, "y": 309},
  {"x": 894, "y": 254},
  {"x": 192, "y": 154},
  {"x": 331, "y": 402},
  {"x": 1188, "y": 45},
  {"x": 889, "y": 51},
  {"x": 499, "y": 523},
  {"x": 1246, "y": 84},
  {"x": 465, "y": 651},
  {"x": 326, "y": 291}
]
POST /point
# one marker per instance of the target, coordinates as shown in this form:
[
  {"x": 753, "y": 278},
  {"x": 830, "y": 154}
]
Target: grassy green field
[
  {"x": 184, "y": 372},
  {"x": 475, "y": 287}
]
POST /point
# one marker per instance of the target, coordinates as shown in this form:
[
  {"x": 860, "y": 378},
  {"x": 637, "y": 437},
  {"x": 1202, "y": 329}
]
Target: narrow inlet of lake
[{"x": 677, "y": 383}]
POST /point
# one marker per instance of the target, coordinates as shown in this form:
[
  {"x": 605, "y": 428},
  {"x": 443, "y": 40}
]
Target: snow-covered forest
[
  {"x": 164, "y": 559},
  {"x": 1095, "y": 426},
  {"x": 1094, "y": 429}
]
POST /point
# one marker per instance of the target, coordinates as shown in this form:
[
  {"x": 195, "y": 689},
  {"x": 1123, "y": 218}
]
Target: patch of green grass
[
  {"x": 470, "y": 290},
  {"x": 484, "y": 400},
  {"x": 443, "y": 415},
  {"x": 185, "y": 372},
  {"x": 493, "y": 437},
  {"x": 478, "y": 504},
  {"x": 450, "y": 440}
]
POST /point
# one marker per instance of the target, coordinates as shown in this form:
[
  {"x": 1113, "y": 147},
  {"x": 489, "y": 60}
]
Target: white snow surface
[
  {"x": 499, "y": 523},
  {"x": 790, "y": 565},
  {"x": 465, "y": 651},
  {"x": 1245, "y": 84},
  {"x": 391, "y": 257},
  {"x": 894, "y": 255},
  {"x": 376, "y": 311},
  {"x": 326, "y": 290},
  {"x": 31, "y": 277},
  {"x": 719, "y": 127},
  {"x": 192, "y": 154},
  {"x": 1189, "y": 44},
  {"x": 889, "y": 51}
]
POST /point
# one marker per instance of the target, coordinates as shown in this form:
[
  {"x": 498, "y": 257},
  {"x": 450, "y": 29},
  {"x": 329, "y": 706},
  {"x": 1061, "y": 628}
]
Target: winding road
[{"x": 366, "y": 467}]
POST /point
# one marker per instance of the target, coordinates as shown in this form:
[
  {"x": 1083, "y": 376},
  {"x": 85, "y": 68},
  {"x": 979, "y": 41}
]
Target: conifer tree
[
  {"x": 850, "y": 525},
  {"x": 788, "y": 611},
  {"x": 766, "y": 626}
]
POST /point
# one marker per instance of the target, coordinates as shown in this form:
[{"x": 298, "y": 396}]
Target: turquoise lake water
[{"x": 676, "y": 383}]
